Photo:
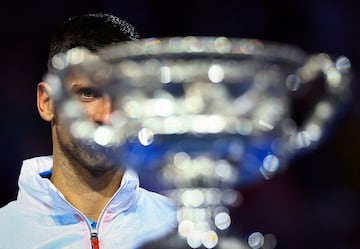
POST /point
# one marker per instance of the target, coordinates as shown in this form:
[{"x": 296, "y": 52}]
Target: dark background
[{"x": 314, "y": 204}]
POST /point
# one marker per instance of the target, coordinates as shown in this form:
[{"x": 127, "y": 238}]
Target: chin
[{"x": 97, "y": 158}]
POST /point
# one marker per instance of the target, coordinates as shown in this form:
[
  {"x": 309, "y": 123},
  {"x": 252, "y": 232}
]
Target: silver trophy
[{"x": 202, "y": 115}]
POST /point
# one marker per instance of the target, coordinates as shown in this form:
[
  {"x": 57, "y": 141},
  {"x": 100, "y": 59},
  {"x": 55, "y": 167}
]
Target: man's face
[{"x": 97, "y": 107}]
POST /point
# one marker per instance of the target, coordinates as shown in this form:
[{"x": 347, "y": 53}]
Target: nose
[{"x": 103, "y": 111}]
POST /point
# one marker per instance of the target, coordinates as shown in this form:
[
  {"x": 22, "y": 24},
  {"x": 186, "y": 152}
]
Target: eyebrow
[{"x": 74, "y": 85}]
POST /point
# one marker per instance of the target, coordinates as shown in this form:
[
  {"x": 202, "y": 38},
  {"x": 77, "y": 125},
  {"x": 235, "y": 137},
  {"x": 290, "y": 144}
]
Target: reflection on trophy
[{"x": 203, "y": 115}]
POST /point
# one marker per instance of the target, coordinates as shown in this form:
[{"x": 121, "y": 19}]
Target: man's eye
[{"x": 88, "y": 94}]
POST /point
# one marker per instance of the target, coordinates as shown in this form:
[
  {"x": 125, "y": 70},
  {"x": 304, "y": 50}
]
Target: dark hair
[{"x": 92, "y": 31}]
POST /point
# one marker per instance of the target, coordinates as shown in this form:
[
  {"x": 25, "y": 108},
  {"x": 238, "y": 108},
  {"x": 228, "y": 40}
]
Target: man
[{"x": 77, "y": 199}]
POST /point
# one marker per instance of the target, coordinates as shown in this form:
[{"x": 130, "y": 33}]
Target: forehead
[
  {"x": 76, "y": 79},
  {"x": 91, "y": 77}
]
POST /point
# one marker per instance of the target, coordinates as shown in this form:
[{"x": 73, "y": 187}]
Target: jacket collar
[{"x": 41, "y": 196}]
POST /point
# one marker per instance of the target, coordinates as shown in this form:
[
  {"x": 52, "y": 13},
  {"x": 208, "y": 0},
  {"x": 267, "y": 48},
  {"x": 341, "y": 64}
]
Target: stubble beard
[{"x": 88, "y": 154}]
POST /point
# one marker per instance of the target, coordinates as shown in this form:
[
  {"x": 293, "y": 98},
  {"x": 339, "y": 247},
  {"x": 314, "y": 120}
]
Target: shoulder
[
  {"x": 10, "y": 218},
  {"x": 156, "y": 200},
  {"x": 156, "y": 213},
  {"x": 7, "y": 211},
  {"x": 158, "y": 206},
  {"x": 12, "y": 215}
]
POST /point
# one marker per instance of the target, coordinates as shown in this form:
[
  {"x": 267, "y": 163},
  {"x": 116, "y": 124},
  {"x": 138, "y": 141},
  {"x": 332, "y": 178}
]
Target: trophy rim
[{"x": 203, "y": 46}]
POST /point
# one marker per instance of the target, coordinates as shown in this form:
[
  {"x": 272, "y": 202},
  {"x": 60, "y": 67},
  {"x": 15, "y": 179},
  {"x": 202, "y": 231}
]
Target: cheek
[
  {"x": 98, "y": 110},
  {"x": 62, "y": 126},
  {"x": 92, "y": 109}
]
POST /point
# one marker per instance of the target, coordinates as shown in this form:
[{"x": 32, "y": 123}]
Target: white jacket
[{"x": 41, "y": 218}]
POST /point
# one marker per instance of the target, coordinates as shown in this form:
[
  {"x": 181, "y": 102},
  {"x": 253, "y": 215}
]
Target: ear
[{"x": 44, "y": 102}]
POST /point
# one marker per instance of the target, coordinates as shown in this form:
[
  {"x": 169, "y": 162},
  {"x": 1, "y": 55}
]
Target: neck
[{"x": 87, "y": 190}]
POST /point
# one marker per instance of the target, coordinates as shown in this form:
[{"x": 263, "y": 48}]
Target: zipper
[{"x": 94, "y": 239}]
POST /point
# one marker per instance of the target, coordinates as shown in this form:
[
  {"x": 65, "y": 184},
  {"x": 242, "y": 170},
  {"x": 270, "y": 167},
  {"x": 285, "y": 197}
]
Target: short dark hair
[{"x": 92, "y": 31}]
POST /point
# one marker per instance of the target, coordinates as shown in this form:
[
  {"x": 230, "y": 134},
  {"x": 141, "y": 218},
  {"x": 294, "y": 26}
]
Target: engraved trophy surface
[{"x": 203, "y": 115}]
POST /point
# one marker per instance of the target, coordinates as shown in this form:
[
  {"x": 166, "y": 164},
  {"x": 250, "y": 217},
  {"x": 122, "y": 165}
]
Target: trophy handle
[{"x": 335, "y": 78}]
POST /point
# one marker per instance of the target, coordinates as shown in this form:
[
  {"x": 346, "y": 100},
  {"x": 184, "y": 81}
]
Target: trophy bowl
[{"x": 202, "y": 115}]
